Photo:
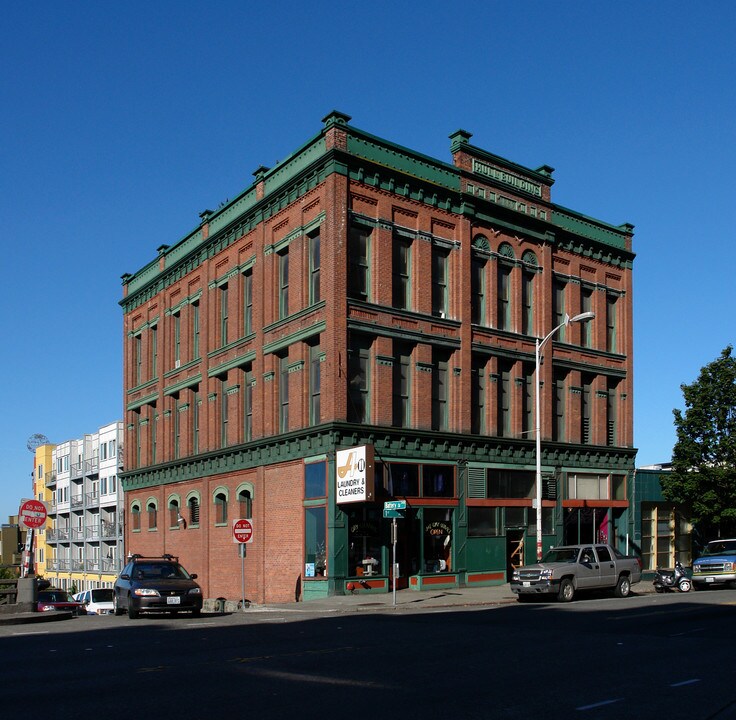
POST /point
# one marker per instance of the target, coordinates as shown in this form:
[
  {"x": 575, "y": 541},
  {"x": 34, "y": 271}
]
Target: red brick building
[{"x": 363, "y": 295}]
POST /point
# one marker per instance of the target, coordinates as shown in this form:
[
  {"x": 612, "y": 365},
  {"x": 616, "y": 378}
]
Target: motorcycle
[{"x": 671, "y": 580}]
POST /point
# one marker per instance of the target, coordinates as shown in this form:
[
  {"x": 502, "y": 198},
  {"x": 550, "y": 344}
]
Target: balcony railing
[
  {"x": 77, "y": 533},
  {"x": 77, "y": 500},
  {"x": 93, "y": 498},
  {"x": 50, "y": 479},
  {"x": 77, "y": 565},
  {"x": 93, "y": 532}
]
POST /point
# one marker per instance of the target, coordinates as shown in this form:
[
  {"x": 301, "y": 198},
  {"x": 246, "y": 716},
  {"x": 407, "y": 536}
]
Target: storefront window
[
  {"x": 483, "y": 522},
  {"x": 511, "y": 484},
  {"x": 438, "y": 540},
  {"x": 365, "y": 551},
  {"x": 315, "y": 542},
  {"x": 403, "y": 480},
  {"x": 438, "y": 481}
]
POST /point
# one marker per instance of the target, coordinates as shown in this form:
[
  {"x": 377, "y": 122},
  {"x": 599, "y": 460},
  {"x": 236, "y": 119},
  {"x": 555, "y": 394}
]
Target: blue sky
[{"x": 119, "y": 123}]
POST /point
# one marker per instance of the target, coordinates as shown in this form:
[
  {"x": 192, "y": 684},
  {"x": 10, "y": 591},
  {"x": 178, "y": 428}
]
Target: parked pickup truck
[
  {"x": 565, "y": 570},
  {"x": 716, "y": 566}
]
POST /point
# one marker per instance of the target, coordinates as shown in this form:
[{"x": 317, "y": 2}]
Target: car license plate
[
  {"x": 709, "y": 579},
  {"x": 526, "y": 583},
  {"x": 173, "y": 600}
]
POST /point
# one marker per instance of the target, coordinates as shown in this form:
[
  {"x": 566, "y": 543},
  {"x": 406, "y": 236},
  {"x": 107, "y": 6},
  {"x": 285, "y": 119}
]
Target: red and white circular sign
[
  {"x": 243, "y": 530},
  {"x": 32, "y": 514}
]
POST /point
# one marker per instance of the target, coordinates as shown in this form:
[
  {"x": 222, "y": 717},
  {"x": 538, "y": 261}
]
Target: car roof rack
[{"x": 165, "y": 556}]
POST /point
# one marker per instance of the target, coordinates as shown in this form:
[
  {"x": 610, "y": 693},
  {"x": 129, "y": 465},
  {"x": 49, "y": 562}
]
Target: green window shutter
[{"x": 476, "y": 482}]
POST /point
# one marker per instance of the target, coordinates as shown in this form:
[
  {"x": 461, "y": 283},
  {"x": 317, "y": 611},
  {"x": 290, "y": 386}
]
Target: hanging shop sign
[{"x": 354, "y": 478}]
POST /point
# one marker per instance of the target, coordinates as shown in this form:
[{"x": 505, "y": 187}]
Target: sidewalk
[{"x": 405, "y": 600}]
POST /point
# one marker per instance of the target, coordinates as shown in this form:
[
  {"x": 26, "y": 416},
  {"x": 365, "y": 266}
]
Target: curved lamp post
[{"x": 582, "y": 317}]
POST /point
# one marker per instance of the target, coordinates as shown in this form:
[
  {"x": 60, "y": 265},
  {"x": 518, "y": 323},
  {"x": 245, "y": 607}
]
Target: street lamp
[{"x": 582, "y": 317}]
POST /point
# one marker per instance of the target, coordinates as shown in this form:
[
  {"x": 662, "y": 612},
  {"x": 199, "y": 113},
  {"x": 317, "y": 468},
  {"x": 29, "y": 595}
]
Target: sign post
[
  {"x": 33, "y": 515},
  {"x": 394, "y": 509},
  {"x": 242, "y": 534}
]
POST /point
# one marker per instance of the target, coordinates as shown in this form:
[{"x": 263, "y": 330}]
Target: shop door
[{"x": 407, "y": 547}]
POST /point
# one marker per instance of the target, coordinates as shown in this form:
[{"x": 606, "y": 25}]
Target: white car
[{"x": 97, "y": 601}]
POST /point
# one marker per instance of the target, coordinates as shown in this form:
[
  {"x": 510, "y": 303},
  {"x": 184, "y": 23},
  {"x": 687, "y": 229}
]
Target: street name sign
[{"x": 394, "y": 505}]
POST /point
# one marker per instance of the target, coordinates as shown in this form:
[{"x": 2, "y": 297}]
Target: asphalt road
[{"x": 639, "y": 657}]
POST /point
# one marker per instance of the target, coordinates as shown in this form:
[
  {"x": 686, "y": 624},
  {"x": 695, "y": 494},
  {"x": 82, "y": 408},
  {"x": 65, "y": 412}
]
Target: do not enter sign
[
  {"x": 242, "y": 530},
  {"x": 33, "y": 514}
]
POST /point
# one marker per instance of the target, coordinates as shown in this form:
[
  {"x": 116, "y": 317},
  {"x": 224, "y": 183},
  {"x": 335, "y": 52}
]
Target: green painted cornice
[
  {"x": 390, "y": 443},
  {"x": 379, "y": 163}
]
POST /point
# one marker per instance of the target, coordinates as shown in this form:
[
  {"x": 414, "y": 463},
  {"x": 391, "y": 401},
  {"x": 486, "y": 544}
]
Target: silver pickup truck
[{"x": 565, "y": 570}]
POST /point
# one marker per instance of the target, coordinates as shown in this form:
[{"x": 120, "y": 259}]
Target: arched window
[
  {"x": 174, "y": 513},
  {"x": 245, "y": 503},
  {"x": 152, "y": 515},
  {"x": 193, "y": 505},
  {"x": 135, "y": 517},
  {"x": 220, "y": 507}
]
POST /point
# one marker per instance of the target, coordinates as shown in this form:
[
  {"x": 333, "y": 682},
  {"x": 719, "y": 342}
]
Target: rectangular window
[
  {"x": 315, "y": 384},
  {"x": 587, "y": 487},
  {"x": 440, "y": 293},
  {"x": 154, "y": 352},
  {"x": 483, "y": 522},
  {"x": 177, "y": 427},
  {"x": 315, "y": 480},
  {"x": 504, "y": 297},
  {"x": 611, "y": 323},
  {"x": 558, "y": 406},
  {"x": 284, "y": 394},
  {"x": 359, "y": 380},
  {"x": 438, "y": 481},
  {"x": 154, "y": 432},
  {"x": 223, "y": 412},
  {"x": 440, "y": 391},
  {"x": 223, "y": 314},
  {"x": 611, "y": 413},
  {"x": 177, "y": 339},
  {"x": 478, "y": 291},
  {"x": 527, "y": 400},
  {"x": 478, "y": 398},
  {"x": 401, "y": 274},
  {"x": 527, "y": 301},
  {"x": 315, "y": 541},
  {"x": 503, "y": 424},
  {"x": 586, "y": 305},
  {"x": 558, "y": 307},
  {"x": 402, "y": 385},
  {"x": 248, "y": 404},
  {"x": 314, "y": 268},
  {"x": 585, "y": 410},
  {"x": 195, "y": 421},
  {"x": 195, "y": 331},
  {"x": 103, "y": 451},
  {"x": 358, "y": 261},
  {"x": 248, "y": 302},
  {"x": 138, "y": 351},
  {"x": 511, "y": 484},
  {"x": 283, "y": 260}
]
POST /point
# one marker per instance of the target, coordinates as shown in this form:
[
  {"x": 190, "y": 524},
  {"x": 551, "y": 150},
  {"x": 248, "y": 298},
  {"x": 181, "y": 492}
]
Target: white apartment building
[{"x": 84, "y": 535}]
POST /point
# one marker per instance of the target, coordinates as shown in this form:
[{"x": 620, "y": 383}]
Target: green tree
[{"x": 703, "y": 475}]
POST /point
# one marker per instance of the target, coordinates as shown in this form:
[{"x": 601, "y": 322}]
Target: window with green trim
[
  {"x": 283, "y": 262},
  {"x": 359, "y": 263},
  {"x": 440, "y": 281},
  {"x": 248, "y": 301},
  {"x": 314, "y": 268},
  {"x": 478, "y": 291},
  {"x": 358, "y": 378},
  {"x": 220, "y": 508},
  {"x": 401, "y": 273}
]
